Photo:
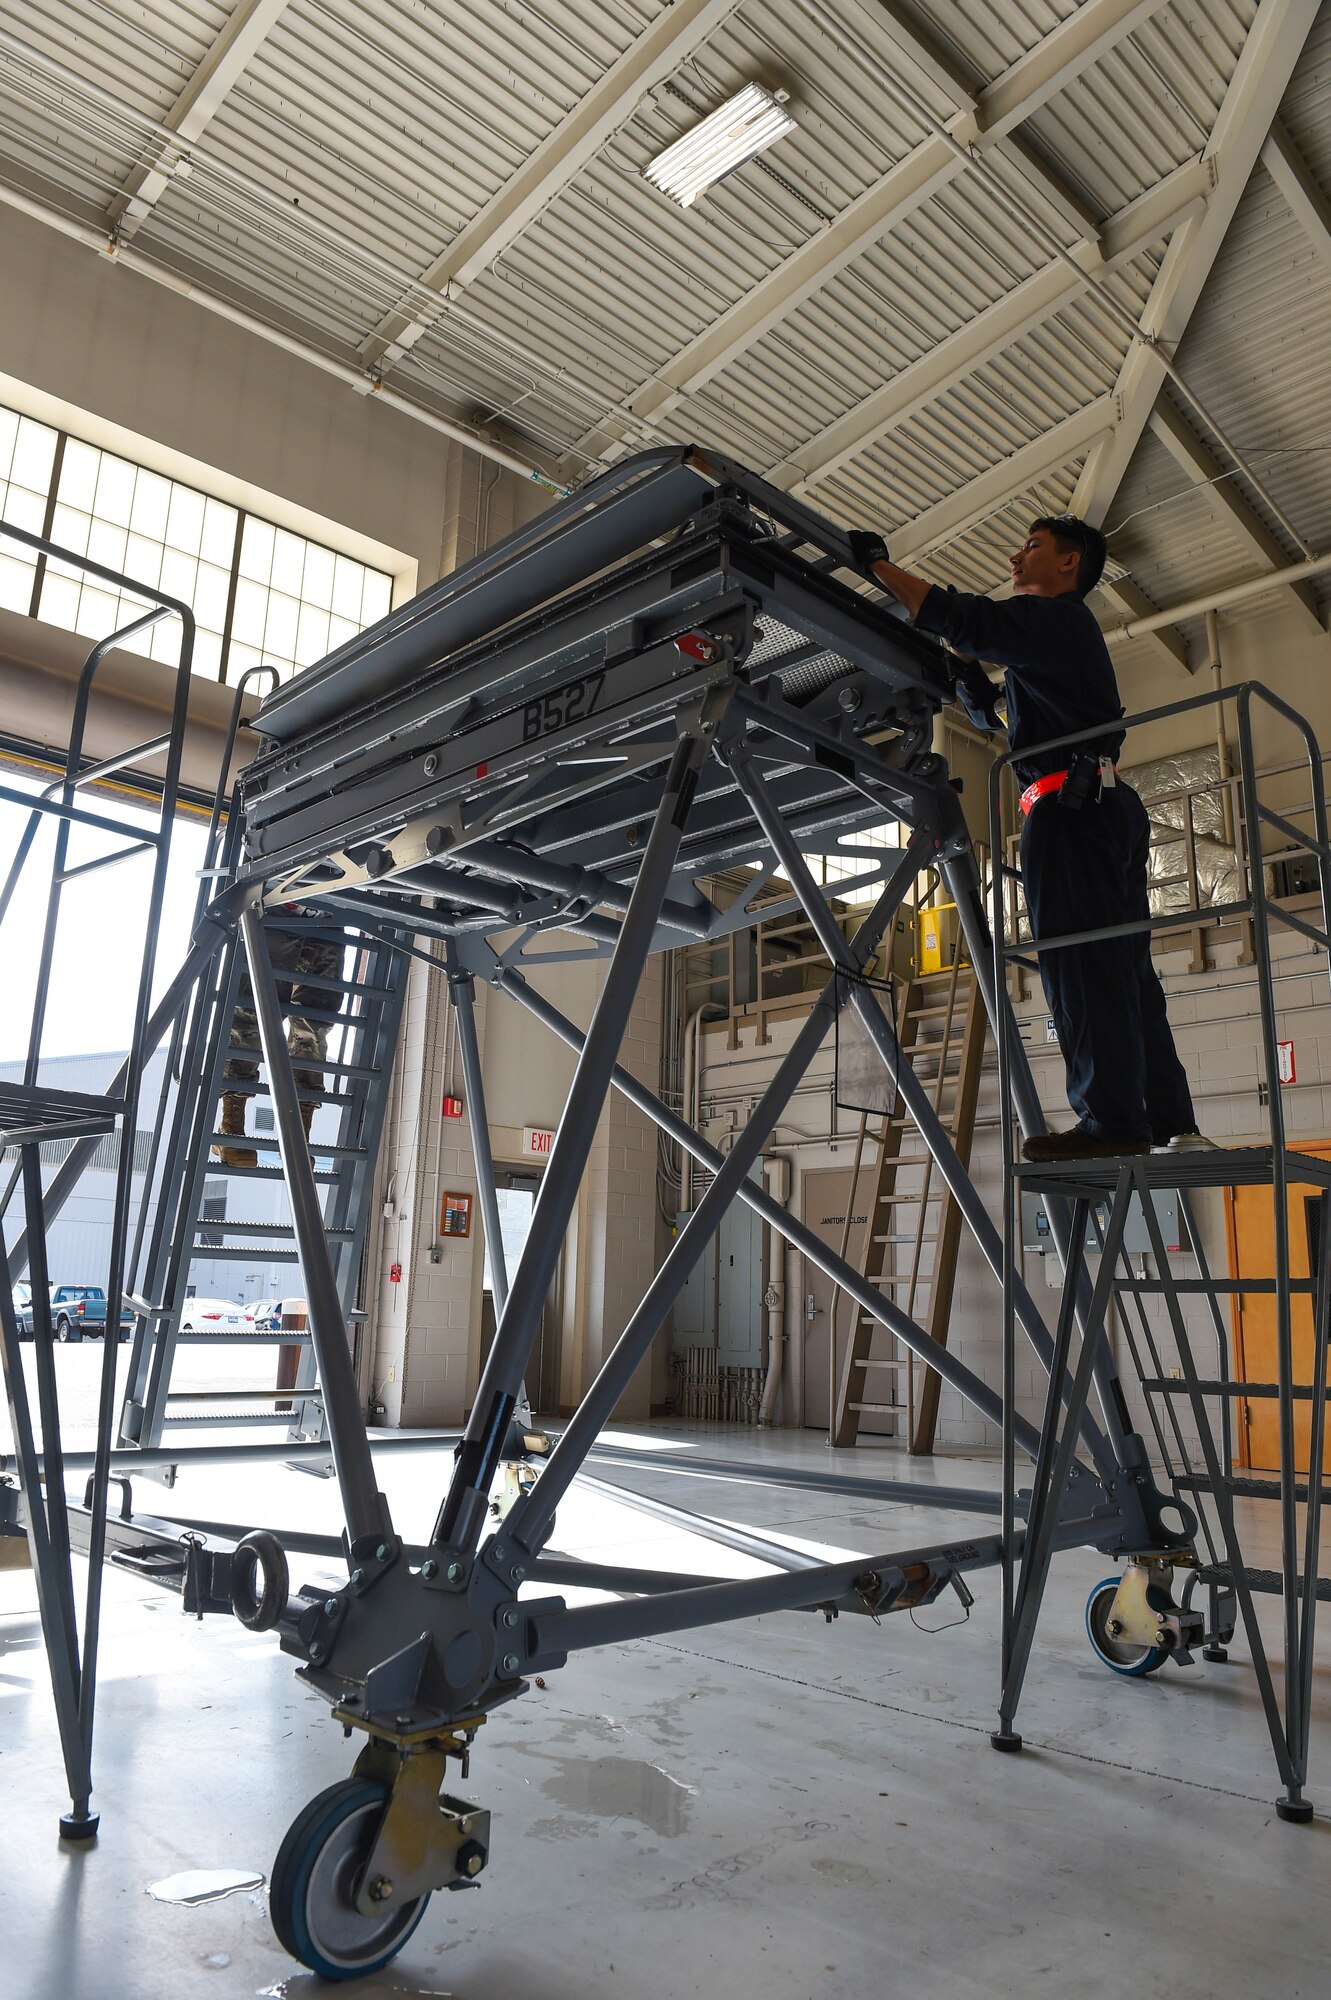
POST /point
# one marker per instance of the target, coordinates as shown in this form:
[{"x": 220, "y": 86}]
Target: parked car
[
  {"x": 22, "y": 1296},
  {"x": 80, "y": 1309},
  {"x": 267, "y": 1313},
  {"x": 215, "y": 1316}
]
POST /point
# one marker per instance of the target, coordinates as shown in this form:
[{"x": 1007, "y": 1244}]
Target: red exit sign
[{"x": 537, "y": 1142}]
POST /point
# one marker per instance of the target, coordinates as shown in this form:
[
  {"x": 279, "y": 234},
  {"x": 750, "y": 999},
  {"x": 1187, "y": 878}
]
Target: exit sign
[{"x": 537, "y": 1142}]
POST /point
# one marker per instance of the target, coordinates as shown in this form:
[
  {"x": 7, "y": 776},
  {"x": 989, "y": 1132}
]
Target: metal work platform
[
  {"x": 550, "y": 755},
  {"x": 1133, "y": 1621}
]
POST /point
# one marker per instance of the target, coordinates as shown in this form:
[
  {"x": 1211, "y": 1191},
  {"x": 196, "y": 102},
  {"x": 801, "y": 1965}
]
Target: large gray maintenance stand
[{"x": 551, "y": 753}]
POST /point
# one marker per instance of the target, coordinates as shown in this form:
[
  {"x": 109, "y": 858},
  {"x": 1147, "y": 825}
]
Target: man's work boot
[
  {"x": 1078, "y": 1144},
  {"x": 307, "y": 1111},
  {"x": 233, "y": 1127}
]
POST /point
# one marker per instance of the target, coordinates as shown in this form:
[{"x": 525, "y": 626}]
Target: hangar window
[
  {"x": 27, "y": 454},
  {"x": 261, "y": 594}
]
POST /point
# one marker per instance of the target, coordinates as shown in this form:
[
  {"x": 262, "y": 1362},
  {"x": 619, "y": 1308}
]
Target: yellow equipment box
[{"x": 937, "y": 938}]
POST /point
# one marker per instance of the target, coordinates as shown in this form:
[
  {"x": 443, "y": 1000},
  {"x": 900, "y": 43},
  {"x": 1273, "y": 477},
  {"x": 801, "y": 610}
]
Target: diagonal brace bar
[
  {"x": 530, "y": 1520},
  {"x": 364, "y": 1506},
  {"x": 913, "y": 1093},
  {"x": 463, "y": 1512},
  {"x": 954, "y": 1371}
]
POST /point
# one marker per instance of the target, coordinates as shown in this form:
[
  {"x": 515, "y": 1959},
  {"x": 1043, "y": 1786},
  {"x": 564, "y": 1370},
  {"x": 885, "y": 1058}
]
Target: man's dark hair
[{"x": 1069, "y": 532}]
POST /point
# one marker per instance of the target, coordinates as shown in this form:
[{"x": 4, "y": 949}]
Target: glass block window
[
  {"x": 27, "y": 458},
  {"x": 296, "y": 601},
  {"x": 152, "y": 529},
  {"x": 261, "y": 595}
]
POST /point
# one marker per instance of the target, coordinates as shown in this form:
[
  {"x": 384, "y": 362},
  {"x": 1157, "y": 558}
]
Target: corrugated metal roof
[
  {"x": 1150, "y": 103},
  {"x": 364, "y": 135}
]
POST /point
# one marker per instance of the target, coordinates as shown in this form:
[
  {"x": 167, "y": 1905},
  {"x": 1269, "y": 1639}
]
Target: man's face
[{"x": 1040, "y": 568}]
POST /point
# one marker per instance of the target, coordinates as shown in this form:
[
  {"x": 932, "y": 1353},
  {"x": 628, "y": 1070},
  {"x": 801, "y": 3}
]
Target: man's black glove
[{"x": 866, "y": 549}]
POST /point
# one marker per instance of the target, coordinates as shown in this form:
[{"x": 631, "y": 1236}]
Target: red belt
[{"x": 1039, "y": 788}]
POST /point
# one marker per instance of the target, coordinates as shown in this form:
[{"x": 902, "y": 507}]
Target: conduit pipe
[
  {"x": 1224, "y": 764},
  {"x": 776, "y": 1173},
  {"x": 341, "y": 371},
  {"x": 692, "y": 1092},
  {"x": 1219, "y": 600}
]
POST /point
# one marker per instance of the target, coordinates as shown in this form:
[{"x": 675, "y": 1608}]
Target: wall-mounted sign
[
  {"x": 1285, "y": 1062},
  {"x": 537, "y": 1142},
  {"x": 455, "y": 1215}
]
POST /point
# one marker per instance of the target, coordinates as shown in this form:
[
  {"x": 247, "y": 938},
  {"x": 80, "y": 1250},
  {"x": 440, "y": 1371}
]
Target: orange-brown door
[{"x": 1251, "y": 1219}]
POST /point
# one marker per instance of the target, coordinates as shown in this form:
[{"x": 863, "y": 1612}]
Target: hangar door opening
[{"x": 516, "y": 1190}]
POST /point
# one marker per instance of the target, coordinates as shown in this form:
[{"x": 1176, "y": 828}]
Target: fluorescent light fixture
[{"x": 746, "y": 124}]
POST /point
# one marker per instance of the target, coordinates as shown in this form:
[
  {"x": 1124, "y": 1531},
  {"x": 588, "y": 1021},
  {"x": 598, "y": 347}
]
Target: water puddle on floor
[
  {"x": 205, "y": 1885},
  {"x": 623, "y": 1788}
]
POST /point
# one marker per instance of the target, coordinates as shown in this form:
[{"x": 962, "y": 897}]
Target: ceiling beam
[
  {"x": 930, "y": 58},
  {"x": 1261, "y": 77},
  {"x": 1002, "y": 482},
  {"x": 562, "y": 154},
  {"x": 1204, "y": 469},
  {"x": 944, "y": 72},
  {"x": 999, "y": 108},
  {"x": 1288, "y": 169},
  {"x": 1125, "y": 236},
  {"x": 250, "y": 23},
  {"x": 1168, "y": 642}
]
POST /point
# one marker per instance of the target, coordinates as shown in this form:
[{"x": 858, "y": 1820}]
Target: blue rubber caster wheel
[
  {"x": 311, "y": 1896},
  {"x": 1120, "y": 1656}
]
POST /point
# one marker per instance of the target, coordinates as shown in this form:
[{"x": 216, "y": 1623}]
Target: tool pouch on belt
[{"x": 1082, "y": 784}]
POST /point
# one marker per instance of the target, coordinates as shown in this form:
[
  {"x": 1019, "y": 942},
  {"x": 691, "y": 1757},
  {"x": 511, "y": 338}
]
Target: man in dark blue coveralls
[{"x": 1086, "y": 835}]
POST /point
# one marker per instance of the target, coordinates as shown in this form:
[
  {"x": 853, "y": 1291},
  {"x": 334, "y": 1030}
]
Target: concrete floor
[{"x": 781, "y": 1807}]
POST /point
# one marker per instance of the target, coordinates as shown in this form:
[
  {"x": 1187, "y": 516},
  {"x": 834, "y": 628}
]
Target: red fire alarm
[
  {"x": 395, "y": 1274},
  {"x": 451, "y": 1108}
]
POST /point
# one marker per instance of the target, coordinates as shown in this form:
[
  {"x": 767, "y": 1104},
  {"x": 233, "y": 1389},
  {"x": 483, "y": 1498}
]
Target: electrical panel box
[
  {"x": 721, "y": 1306},
  {"x": 1037, "y": 1237}
]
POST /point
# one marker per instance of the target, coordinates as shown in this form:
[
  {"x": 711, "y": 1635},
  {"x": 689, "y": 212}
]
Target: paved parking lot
[{"x": 78, "y": 1371}]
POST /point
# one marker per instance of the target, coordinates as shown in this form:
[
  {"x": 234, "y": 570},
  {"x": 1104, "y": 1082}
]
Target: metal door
[
  {"x": 1252, "y": 1255},
  {"x": 824, "y": 1198}
]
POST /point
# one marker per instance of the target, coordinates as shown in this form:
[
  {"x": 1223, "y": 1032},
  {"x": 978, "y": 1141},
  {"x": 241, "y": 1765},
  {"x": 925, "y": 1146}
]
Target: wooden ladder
[{"x": 941, "y": 1028}]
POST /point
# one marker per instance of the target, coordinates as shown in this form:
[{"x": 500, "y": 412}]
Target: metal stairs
[{"x": 361, "y": 1017}]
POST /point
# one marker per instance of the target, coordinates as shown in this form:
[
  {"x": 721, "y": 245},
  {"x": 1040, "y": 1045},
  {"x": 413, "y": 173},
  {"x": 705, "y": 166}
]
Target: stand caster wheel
[
  {"x": 1297, "y": 1811},
  {"x": 1127, "y": 1657},
  {"x": 311, "y": 1901},
  {"x": 79, "y": 1827}
]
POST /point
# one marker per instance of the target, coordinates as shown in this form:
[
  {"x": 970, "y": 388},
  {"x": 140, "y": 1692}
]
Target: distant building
[{"x": 78, "y": 1247}]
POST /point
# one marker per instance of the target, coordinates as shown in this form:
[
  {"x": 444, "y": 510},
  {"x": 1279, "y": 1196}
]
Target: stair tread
[
  {"x": 236, "y": 1227},
  {"x": 268, "y": 1141}
]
